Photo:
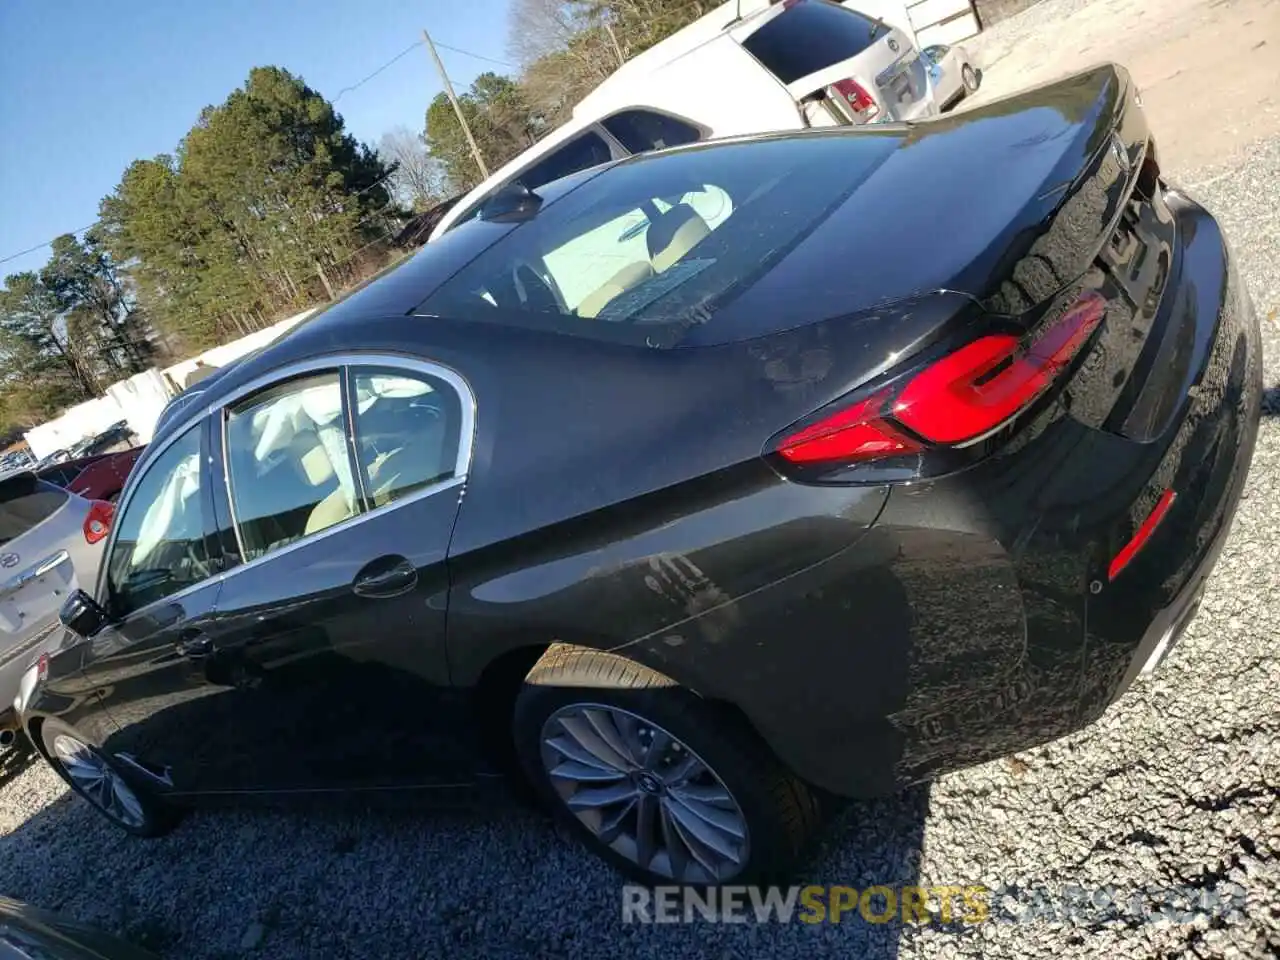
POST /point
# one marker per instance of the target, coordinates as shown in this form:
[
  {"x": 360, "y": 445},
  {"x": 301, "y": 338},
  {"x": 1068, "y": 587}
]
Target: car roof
[{"x": 706, "y": 29}]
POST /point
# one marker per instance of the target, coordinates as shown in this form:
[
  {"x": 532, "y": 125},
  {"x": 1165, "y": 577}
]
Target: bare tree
[
  {"x": 542, "y": 28},
  {"x": 418, "y": 181}
]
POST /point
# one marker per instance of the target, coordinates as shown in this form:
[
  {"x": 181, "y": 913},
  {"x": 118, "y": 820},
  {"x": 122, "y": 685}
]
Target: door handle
[
  {"x": 195, "y": 647},
  {"x": 385, "y": 577}
]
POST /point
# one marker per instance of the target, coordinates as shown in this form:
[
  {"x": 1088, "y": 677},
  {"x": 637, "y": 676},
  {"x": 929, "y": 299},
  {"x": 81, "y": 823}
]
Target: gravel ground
[{"x": 1176, "y": 787}]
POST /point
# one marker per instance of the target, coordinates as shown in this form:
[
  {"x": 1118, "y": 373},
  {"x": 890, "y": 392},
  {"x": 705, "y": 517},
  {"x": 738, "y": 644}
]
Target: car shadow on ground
[{"x": 489, "y": 877}]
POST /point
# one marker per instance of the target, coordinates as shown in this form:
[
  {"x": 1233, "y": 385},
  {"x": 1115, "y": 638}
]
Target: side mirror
[
  {"x": 512, "y": 203},
  {"x": 82, "y": 614}
]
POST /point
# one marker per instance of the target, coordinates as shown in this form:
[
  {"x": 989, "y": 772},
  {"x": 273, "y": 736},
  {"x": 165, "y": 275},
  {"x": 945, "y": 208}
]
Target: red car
[{"x": 96, "y": 478}]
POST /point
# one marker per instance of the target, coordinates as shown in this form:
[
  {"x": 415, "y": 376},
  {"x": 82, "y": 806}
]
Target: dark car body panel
[{"x": 874, "y": 632}]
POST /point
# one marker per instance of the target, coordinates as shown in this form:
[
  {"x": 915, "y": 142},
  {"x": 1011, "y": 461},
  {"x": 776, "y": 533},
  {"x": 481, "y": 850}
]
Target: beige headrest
[{"x": 620, "y": 282}]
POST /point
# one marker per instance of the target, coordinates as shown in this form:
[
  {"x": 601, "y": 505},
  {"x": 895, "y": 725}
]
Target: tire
[
  {"x": 766, "y": 816},
  {"x": 118, "y": 795},
  {"x": 970, "y": 78}
]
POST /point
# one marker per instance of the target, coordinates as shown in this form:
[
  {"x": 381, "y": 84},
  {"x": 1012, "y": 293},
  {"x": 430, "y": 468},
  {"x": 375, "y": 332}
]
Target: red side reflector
[
  {"x": 983, "y": 385},
  {"x": 98, "y": 523},
  {"x": 1139, "y": 539},
  {"x": 853, "y": 434},
  {"x": 42, "y": 666}
]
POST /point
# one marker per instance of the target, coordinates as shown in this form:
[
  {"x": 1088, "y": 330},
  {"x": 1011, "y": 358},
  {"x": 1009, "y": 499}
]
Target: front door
[
  {"x": 342, "y": 490},
  {"x": 159, "y": 588}
]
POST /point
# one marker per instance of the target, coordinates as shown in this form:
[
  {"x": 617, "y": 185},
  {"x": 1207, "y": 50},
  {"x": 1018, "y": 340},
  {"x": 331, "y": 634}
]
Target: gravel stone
[{"x": 1174, "y": 787}]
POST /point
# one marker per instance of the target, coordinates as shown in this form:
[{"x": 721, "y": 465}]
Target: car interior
[{"x": 290, "y": 473}]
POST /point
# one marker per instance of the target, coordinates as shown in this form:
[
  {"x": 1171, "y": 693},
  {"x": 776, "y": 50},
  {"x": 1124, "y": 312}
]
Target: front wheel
[
  {"x": 664, "y": 785},
  {"x": 101, "y": 781}
]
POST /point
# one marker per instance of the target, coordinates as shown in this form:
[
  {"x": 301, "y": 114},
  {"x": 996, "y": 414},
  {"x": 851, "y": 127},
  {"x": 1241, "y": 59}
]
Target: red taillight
[
  {"x": 855, "y": 96},
  {"x": 98, "y": 523},
  {"x": 957, "y": 399},
  {"x": 983, "y": 385},
  {"x": 854, "y": 434},
  {"x": 1139, "y": 539}
]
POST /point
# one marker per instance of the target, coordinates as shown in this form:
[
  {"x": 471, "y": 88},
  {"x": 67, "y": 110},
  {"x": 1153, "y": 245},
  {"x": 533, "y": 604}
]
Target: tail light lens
[
  {"x": 856, "y": 99},
  {"x": 98, "y": 523},
  {"x": 956, "y": 400}
]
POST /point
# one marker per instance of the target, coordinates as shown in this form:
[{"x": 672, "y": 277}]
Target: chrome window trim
[
  {"x": 431, "y": 368},
  {"x": 343, "y": 525},
  {"x": 346, "y": 366},
  {"x": 339, "y": 362}
]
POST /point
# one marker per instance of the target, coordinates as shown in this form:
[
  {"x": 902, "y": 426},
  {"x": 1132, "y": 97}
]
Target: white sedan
[{"x": 953, "y": 74}]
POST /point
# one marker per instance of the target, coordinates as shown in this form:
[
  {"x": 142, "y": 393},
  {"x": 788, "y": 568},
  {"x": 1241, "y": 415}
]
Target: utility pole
[{"x": 457, "y": 107}]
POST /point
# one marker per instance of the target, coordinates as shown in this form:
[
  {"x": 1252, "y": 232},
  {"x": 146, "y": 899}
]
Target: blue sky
[{"x": 88, "y": 87}]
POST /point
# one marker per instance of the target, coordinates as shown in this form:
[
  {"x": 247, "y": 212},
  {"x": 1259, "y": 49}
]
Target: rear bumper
[{"x": 982, "y": 616}]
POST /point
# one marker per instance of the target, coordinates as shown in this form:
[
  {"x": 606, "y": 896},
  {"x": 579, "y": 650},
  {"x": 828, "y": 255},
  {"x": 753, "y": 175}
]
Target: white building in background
[{"x": 139, "y": 400}]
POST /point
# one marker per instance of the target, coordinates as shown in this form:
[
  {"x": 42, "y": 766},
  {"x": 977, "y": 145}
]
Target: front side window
[
  {"x": 642, "y": 130},
  {"x": 408, "y": 431},
  {"x": 580, "y": 153},
  {"x": 160, "y": 545},
  {"x": 288, "y": 463}
]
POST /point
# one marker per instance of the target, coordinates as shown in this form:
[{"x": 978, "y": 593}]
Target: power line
[
  {"x": 403, "y": 53},
  {"x": 409, "y": 49},
  {"x": 476, "y": 56},
  {"x": 40, "y": 246}
]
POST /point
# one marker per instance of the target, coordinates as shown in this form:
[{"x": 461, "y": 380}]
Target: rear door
[
  {"x": 866, "y": 69},
  {"x": 41, "y": 537},
  {"x": 325, "y": 665}
]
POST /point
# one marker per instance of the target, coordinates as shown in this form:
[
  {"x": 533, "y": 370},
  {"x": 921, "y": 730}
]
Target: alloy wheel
[
  {"x": 100, "y": 783},
  {"x": 642, "y": 792}
]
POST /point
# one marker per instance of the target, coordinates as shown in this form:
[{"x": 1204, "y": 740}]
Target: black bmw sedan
[{"x": 695, "y": 489}]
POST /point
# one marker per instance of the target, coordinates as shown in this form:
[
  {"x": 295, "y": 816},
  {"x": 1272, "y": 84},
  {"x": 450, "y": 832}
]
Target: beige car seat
[
  {"x": 409, "y": 467},
  {"x": 619, "y": 283},
  {"x": 312, "y": 459},
  {"x": 673, "y": 235}
]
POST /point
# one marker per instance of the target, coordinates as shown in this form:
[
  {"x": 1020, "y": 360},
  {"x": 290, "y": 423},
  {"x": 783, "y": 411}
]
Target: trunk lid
[{"x": 1003, "y": 206}]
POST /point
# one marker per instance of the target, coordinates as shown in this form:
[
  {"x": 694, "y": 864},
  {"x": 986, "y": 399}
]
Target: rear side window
[
  {"x": 642, "y": 130},
  {"x": 585, "y": 151},
  {"x": 812, "y": 35},
  {"x": 288, "y": 462},
  {"x": 26, "y": 501}
]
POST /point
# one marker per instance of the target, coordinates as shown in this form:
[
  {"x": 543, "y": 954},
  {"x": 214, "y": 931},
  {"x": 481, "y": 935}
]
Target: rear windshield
[
  {"x": 812, "y": 35},
  {"x": 26, "y": 501},
  {"x": 658, "y": 243}
]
